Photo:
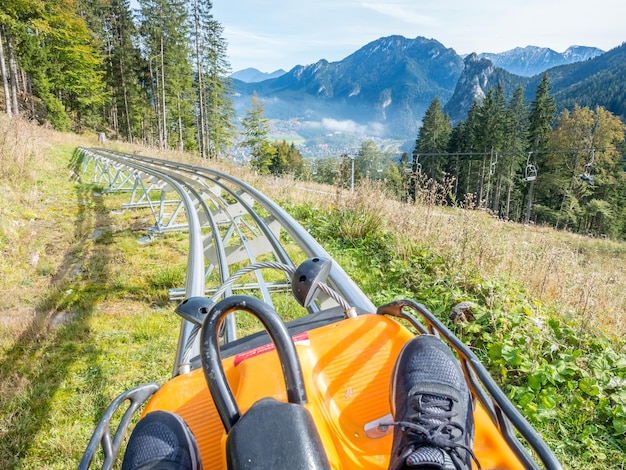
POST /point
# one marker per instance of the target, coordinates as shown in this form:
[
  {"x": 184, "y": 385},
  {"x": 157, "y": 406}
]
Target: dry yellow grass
[
  {"x": 585, "y": 278},
  {"x": 55, "y": 385},
  {"x": 37, "y": 224}
]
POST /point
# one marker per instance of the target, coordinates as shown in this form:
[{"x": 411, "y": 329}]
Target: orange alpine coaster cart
[{"x": 312, "y": 392}]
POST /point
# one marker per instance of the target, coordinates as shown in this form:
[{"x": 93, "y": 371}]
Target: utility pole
[
  {"x": 530, "y": 175},
  {"x": 351, "y": 157},
  {"x": 416, "y": 169},
  {"x": 530, "y": 201}
]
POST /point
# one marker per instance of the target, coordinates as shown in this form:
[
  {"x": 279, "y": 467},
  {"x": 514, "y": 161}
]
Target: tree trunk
[
  {"x": 31, "y": 98},
  {"x": 181, "y": 145},
  {"x": 163, "y": 107},
  {"x": 154, "y": 77},
  {"x": 202, "y": 123},
  {"x": 129, "y": 129},
  {"x": 509, "y": 191},
  {"x": 488, "y": 195},
  {"x": 113, "y": 117},
  {"x": 482, "y": 182},
  {"x": 496, "y": 195},
  {"x": 457, "y": 170},
  {"x": 5, "y": 81},
  {"x": 24, "y": 80},
  {"x": 12, "y": 75},
  {"x": 530, "y": 201}
]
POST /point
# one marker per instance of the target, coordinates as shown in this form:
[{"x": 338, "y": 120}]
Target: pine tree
[
  {"x": 433, "y": 137},
  {"x": 295, "y": 163},
  {"x": 492, "y": 118},
  {"x": 463, "y": 142},
  {"x": 541, "y": 117},
  {"x": 165, "y": 32},
  {"x": 515, "y": 143},
  {"x": 128, "y": 100},
  {"x": 213, "y": 86},
  {"x": 369, "y": 160},
  {"x": 285, "y": 159},
  {"x": 455, "y": 167},
  {"x": 219, "y": 103},
  {"x": 256, "y": 131}
]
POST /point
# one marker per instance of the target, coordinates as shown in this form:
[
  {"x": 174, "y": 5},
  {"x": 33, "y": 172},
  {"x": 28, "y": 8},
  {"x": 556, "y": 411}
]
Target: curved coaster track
[{"x": 233, "y": 232}]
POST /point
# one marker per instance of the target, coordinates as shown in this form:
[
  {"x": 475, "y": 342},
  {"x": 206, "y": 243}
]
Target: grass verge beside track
[{"x": 84, "y": 313}]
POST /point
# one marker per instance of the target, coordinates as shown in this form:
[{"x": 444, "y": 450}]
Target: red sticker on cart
[{"x": 299, "y": 339}]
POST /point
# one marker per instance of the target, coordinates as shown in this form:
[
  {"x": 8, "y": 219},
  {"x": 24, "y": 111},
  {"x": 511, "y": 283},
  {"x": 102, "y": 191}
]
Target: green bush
[{"x": 570, "y": 383}]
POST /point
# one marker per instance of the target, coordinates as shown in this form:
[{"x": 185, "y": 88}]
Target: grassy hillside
[{"x": 84, "y": 313}]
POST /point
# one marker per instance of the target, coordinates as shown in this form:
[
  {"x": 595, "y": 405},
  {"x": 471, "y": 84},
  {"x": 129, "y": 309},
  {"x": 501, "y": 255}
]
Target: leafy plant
[{"x": 568, "y": 381}]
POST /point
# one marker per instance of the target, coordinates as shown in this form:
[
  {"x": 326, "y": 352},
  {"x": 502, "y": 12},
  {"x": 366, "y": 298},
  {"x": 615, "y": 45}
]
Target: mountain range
[
  {"x": 252, "y": 75},
  {"x": 383, "y": 89},
  {"x": 532, "y": 60}
]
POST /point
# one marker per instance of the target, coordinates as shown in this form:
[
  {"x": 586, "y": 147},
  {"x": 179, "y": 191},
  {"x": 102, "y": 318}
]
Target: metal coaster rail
[
  {"x": 230, "y": 224},
  {"x": 223, "y": 222}
]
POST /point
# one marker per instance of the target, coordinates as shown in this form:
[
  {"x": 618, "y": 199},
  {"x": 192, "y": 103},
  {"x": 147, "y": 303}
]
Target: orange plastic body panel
[{"x": 347, "y": 368}]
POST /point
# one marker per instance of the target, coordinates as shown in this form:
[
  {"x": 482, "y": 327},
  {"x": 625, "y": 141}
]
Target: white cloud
[{"x": 347, "y": 126}]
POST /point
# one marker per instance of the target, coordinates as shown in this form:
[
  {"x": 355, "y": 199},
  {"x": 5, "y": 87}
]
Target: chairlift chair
[
  {"x": 531, "y": 172},
  {"x": 417, "y": 169},
  {"x": 492, "y": 166},
  {"x": 416, "y": 166},
  {"x": 586, "y": 175}
]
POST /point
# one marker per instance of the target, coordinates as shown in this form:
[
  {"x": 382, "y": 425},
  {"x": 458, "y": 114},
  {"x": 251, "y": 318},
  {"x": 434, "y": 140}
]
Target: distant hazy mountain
[
  {"x": 600, "y": 81},
  {"x": 597, "y": 82},
  {"x": 531, "y": 60},
  {"x": 252, "y": 75},
  {"x": 383, "y": 89},
  {"x": 478, "y": 76}
]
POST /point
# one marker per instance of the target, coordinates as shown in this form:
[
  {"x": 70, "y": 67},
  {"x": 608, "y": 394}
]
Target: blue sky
[{"x": 273, "y": 34}]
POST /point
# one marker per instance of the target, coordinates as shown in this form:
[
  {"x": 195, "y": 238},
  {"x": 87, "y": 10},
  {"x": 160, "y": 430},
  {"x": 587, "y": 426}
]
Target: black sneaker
[
  {"x": 432, "y": 409},
  {"x": 161, "y": 441}
]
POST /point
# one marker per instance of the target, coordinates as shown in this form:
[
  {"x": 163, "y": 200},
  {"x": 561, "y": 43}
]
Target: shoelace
[{"x": 431, "y": 425}]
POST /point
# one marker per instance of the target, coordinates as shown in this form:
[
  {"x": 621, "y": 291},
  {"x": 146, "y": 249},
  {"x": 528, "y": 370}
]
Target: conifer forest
[{"x": 157, "y": 74}]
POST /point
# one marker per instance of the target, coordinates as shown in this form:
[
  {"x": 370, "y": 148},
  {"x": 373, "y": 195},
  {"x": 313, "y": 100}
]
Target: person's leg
[
  {"x": 161, "y": 441},
  {"x": 432, "y": 409}
]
